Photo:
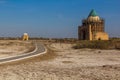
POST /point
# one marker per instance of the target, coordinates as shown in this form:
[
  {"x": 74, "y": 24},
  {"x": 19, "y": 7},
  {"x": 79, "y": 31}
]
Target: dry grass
[
  {"x": 67, "y": 62},
  {"x": 111, "y": 44}
]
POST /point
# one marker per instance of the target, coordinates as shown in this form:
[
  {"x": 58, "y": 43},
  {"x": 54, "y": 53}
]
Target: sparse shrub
[
  {"x": 117, "y": 45},
  {"x": 111, "y": 44}
]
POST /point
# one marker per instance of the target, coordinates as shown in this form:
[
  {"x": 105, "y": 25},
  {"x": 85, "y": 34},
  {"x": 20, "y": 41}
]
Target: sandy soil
[
  {"x": 68, "y": 64},
  {"x": 15, "y": 47}
]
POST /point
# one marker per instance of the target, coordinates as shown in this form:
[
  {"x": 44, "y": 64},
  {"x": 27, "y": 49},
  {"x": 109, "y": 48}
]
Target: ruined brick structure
[
  {"x": 92, "y": 28},
  {"x": 25, "y": 37}
]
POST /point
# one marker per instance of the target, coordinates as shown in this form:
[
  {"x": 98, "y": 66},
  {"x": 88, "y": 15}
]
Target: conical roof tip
[{"x": 92, "y": 13}]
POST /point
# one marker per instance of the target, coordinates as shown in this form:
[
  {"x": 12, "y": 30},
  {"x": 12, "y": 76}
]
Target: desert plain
[{"x": 61, "y": 62}]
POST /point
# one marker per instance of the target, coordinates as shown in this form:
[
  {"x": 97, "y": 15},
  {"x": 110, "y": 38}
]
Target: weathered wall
[{"x": 101, "y": 36}]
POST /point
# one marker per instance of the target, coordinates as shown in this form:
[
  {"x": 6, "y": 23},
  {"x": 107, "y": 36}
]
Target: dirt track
[{"x": 68, "y": 64}]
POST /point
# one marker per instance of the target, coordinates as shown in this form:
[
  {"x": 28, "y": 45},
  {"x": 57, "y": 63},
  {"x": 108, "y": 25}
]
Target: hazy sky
[{"x": 55, "y": 18}]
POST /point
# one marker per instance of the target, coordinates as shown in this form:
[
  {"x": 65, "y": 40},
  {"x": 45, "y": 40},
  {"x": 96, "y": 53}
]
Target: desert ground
[
  {"x": 14, "y": 47},
  {"x": 62, "y": 62}
]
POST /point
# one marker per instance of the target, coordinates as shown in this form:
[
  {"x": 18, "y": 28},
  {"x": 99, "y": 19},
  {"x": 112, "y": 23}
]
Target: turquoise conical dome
[
  {"x": 92, "y": 13},
  {"x": 93, "y": 16}
]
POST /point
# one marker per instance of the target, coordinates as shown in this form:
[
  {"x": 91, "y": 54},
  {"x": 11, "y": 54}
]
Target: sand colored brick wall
[
  {"x": 25, "y": 37},
  {"x": 101, "y": 36}
]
